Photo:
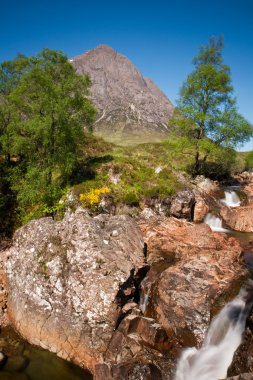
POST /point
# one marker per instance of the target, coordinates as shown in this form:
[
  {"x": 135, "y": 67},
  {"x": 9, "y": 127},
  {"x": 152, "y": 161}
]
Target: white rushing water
[
  {"x": 231, "y": 199},
  {"x": 214, "y": 223},
  {"x": 212, "y": 360}
]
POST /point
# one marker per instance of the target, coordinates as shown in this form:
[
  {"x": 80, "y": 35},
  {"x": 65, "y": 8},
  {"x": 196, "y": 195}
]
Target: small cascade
[
  {"x": 231, "y": 199},
  {"x": 224, "y": 336},
  {"x": 214, "y": 223}
]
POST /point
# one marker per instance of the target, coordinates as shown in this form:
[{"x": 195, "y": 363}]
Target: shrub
[{"x": 93, "y": 197}]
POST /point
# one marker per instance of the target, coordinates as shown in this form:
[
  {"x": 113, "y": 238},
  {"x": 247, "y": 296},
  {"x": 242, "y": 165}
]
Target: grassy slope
[
  {"x": 133, "y": 174},
  {"x": 136, "y": 173}
]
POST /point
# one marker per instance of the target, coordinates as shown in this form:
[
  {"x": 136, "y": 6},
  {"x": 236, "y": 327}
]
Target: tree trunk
[{"x": 196, "y": 163}]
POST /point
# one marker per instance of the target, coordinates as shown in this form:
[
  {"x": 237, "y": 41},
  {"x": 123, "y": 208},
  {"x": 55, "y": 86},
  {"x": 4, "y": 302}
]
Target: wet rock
[
  {"x": 243, "y": 357},
  {"x": 64, "y": 280},
  {"x": 243, "y": 376},
  {"x": 238, "y": 218},
  {"x": 189, "y": 293},
  {"x": 182, "y": 206},
  {"x": 205, "y": 273}
]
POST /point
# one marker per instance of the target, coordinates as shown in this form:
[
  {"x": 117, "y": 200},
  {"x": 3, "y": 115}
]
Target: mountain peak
[
  {"x": 127, "y": 103},
  {"x": 105, "y": 48}
]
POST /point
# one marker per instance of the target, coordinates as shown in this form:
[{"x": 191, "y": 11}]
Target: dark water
[{"x": 27, "y": 362}]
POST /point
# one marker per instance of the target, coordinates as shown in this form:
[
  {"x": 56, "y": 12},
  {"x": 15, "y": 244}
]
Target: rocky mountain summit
[{"x": 128, "y": 104}]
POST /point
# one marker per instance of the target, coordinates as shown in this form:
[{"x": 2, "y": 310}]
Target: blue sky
[{"x": 159, "y": 37}]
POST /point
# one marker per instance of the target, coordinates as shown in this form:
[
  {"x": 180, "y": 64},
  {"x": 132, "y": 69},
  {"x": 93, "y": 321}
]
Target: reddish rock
[
  {"x": 248, "y": 189},
  {"x": 178, "y": 239},
  {"x": 64, "y": 280},
  {"x": 238, "y": 218},
  {"x": 205, "y": 273},
  {"x": 200, "y": 209},
  {"x": 73, "y": 288},
  {"x": 189, "y": 293}
]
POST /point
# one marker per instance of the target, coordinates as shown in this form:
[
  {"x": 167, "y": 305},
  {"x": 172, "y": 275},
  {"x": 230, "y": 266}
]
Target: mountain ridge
[{"x": 129, "y": 105}]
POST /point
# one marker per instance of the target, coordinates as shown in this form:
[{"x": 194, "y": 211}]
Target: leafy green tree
[
  {"x": 50, "y": 105},
  {"x": 206, "y": 114},
  {"x": 10, "y": 74}
]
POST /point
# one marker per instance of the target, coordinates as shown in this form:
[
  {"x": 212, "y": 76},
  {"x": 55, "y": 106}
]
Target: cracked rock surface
[{"x": 64, "y": 277}]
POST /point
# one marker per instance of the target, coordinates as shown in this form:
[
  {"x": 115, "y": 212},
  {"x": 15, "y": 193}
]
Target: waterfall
[
  {"x": 214, "y": 223},
  {"x": 212, "y": 360},
  {"x": 231, "y": 199}
]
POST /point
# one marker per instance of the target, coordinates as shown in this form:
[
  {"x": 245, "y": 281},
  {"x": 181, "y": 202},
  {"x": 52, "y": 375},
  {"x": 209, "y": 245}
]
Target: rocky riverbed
[{"x": 121, "y": 296}]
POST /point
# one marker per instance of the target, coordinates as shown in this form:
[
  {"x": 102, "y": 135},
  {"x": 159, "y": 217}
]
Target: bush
[{"x": 93, "y": 197}]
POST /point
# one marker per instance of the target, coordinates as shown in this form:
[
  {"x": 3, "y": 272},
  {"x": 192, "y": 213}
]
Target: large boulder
[
  {"x": 178, "y": 239},
  {"x": 76, "y": 287},
  {"x": 182, "y": 206},
  {"x": 203, "y": 272},
  {"x": 68, "y": 280},
  {"x": 239, "y": 218}
]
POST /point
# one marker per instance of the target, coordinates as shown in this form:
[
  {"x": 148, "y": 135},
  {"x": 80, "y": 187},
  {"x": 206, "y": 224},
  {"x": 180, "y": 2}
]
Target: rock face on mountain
[{"x": 128, "y": 104}]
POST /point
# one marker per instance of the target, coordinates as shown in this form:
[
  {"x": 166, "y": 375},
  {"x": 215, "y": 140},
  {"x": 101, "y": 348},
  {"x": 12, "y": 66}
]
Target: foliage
[
  {"x": 93, "y": 197},
  {"x": 207, "y": 115},
  {"x": 49, "y": 106},
  {"x": 131, "y": 174}
]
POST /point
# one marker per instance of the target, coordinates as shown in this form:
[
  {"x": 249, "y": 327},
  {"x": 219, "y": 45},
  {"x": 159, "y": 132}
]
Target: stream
[
  {"x": 212, "y": 359},
  {"x": 27, "y": 362}
]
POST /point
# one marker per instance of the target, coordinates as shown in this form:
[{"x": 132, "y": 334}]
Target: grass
[{"x": 134, "y": 174}]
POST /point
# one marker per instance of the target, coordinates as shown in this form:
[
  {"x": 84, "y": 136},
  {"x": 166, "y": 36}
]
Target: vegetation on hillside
[
  {"x": 207, "y": 116},
  {"x": 44, "y": 105},
  {"x": 45, "y": 152}
]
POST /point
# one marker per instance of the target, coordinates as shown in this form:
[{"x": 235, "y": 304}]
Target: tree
[
  {"x": 10, "y": 74},
  {"x": 50, "y": 105},
  {"x": 206, "y": 112}
]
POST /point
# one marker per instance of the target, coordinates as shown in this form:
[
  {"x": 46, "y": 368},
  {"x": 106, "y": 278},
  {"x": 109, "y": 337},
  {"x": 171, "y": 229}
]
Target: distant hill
[{"x": 131, "y": 108}]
